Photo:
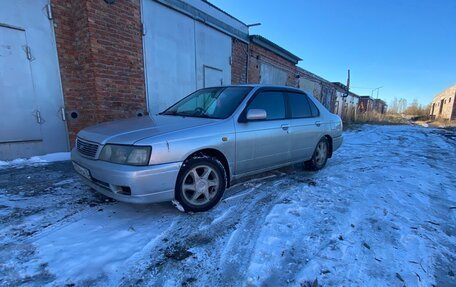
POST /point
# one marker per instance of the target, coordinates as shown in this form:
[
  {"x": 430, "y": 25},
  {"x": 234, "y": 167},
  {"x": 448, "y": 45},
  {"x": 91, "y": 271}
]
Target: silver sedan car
[{"x": 195, "y": 149}]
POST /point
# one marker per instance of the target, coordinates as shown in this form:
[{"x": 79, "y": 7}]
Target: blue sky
[{"x": 406, "y": 46}]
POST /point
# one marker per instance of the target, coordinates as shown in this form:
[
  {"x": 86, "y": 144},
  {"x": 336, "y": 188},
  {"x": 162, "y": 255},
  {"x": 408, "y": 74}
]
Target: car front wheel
[{"x": 200, "y": 184}]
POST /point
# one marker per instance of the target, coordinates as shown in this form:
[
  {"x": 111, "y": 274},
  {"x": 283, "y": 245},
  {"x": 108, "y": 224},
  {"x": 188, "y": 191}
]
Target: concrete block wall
[
  {"x": 101, "y": 60},
  {"x": 453, "y": 115},
  {"x": 448, "y": 97}
]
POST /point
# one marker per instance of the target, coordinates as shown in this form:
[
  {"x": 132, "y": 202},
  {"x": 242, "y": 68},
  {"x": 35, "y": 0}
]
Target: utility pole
[
  {"x": 378, "y": 91},
  {"x": 348, "y": 82}
]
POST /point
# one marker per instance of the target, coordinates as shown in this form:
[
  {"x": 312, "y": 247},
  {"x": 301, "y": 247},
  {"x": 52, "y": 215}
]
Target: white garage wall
[
  {"x": 31, "y": 18},
  {"x": 169, "y": 52},
  {"x": 213, "y": 50},
  {"x": 211, "y": 10},
  {"x": 177, "y": 51}
]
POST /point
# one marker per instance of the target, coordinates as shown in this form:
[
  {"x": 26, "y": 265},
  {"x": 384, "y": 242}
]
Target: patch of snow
[
  {"x": 102, "y": 243},
  {"x": 245, "y": 192},
  {"x": 64, "y": 182},
  {"x": 48, "y": 158},
  {"x": 381, "y": 213},
  {"x": 177, "y": 205}
]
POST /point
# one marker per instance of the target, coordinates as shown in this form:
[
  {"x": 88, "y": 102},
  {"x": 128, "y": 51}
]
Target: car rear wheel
[
  {"x": 200, "y": 184},
  {"x": 320, "y": 155}
]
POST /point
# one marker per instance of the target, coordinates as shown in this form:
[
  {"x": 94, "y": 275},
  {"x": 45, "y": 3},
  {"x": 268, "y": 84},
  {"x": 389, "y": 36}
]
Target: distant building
[
  {"x": 317, "y": 86},
  {"x": 351, "y": 106},
  {"x": 380, "y": 106},
  {"x": 443, "y": 106},
  {"x": 346, "y": 105},
  {"x": 269, "y": 63},
  {"x": 366, "y": 104}
]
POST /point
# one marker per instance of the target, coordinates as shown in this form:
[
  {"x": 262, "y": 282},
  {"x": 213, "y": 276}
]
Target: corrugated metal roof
[
  {"x": 273, "y": 47},
  {"x": 223, "y": 11},
  {"x": 198, "y": 13},
  {"x": 302, "y": 70}
]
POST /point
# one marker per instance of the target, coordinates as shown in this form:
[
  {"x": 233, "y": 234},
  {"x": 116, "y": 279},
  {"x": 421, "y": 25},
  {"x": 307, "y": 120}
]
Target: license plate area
[{"x": 82, "y": 170}]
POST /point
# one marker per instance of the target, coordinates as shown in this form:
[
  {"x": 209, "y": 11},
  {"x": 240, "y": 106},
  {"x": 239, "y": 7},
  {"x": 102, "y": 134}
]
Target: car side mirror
[{"x": 256, "y": 114}]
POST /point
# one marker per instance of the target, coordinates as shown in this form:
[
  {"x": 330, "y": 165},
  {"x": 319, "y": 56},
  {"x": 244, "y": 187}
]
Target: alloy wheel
[
  {"x": 321, "y": 153},
  {"x": 200, "y": 185}
]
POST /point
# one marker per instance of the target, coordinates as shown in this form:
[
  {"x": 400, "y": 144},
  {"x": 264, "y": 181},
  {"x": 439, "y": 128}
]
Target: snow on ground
[
  {"x": 383, "y": 212},
  {"x": 48, "y": 158}
]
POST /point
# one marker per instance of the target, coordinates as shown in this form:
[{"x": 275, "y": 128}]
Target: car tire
[
  {"x": 200, "y": 184},
  {"x": 320, "y": 155}
]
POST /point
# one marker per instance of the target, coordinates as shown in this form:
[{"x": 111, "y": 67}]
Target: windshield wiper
[
  {"x": 184, "y": 114},
  {"x": 171, "y": 113}
]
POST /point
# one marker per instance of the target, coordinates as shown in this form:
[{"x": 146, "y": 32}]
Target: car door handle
[
  {"x": 284, "y": 127},
  {"x": 318, "y": 123}
]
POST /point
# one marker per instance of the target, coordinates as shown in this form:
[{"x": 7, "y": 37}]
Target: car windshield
[{"x": 217, "y": 103}]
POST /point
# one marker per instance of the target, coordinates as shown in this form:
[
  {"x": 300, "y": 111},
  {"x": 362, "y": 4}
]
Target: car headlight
[{"x": 126, "y": 154}]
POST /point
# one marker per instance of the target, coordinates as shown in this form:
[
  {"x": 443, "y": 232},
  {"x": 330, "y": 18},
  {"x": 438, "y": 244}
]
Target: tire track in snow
[{"x": 198, "y": 234}]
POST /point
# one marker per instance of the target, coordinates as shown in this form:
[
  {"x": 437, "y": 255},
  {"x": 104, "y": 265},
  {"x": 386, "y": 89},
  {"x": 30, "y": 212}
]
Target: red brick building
[
  {"x": 101, "y": 60},
  {"x": 97, "y": 60},
  {"x": 380, "y": 106},
  {"x": 112, "y": 59},
  {"x": 83, "y": 62},
  {"x": 366, "y": 104},
  {"x": 100, "y": 49}
]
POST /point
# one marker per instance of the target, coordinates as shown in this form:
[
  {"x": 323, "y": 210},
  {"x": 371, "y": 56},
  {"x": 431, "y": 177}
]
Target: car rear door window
[
  {"x": 299, "y": 106},
  {"x": 313, "y": 108},
  {"x": 273, "y": 102}
]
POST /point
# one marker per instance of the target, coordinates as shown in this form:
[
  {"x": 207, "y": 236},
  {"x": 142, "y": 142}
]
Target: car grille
[{"x": 86, "y": 148}]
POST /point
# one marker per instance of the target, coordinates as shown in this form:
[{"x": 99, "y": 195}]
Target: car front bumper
[{"x": 133, "y": 184}]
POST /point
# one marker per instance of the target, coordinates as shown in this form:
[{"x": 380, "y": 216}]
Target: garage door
[
  {"x": 16, "y": 87},
  {"x": 212, "y": 77},
  {"x": 181, "y": 55},
  {"x": 271, "y": 75},
  {"x": 31, "y": 109}
]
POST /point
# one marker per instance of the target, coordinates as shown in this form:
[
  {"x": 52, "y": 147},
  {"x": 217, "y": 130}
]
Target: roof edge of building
[
  {"x": 206, "y": 18},
  {"x": 224, "y": 12},
  {"x": 439, "y": 95},
  {"x": 302, "y": 70},
  {"x": 273, "y": 47}
]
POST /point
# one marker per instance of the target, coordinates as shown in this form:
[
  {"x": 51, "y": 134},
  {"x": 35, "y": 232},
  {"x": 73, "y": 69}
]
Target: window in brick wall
[{"x": 449, "y": 100}]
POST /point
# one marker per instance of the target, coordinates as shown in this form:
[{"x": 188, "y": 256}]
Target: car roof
[{"x": 262, "y": 86}]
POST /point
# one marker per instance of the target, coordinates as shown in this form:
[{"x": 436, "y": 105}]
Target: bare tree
[
  {"x": 415, "y": 109},
  {"x": 393, "y": 107},
  {"x": 402, "y": 105}
]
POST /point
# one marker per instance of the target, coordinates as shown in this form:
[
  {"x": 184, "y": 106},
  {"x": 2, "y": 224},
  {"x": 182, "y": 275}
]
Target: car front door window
[
  {"x": 262, "y": 144},
  {"x": 272, "y": 102}
]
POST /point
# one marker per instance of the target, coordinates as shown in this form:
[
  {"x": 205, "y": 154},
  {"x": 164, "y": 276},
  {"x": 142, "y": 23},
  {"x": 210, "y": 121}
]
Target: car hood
[{"x": 129, "y": 131}]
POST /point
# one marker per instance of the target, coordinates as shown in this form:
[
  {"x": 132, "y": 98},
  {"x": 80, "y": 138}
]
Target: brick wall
[
  {"x": 238, "y": 62},
  {"x": 366, "y": 105},
  {"x": 101, "y": 60},
  {"x": 259, "y": 54}
]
